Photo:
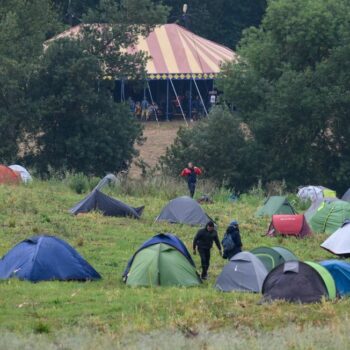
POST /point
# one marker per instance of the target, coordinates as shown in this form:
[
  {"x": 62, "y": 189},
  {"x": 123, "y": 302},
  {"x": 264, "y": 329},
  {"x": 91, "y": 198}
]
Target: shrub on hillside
[{"x": 79, "y": 183}]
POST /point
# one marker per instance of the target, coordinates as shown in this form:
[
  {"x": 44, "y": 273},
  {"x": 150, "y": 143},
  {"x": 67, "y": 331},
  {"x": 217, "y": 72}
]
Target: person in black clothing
[
  {"x": 204, "y": 242},
  {"x": 233, "y": 231}
]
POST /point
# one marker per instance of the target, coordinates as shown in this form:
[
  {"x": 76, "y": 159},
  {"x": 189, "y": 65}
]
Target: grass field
[{"x": 107, "y": 314}]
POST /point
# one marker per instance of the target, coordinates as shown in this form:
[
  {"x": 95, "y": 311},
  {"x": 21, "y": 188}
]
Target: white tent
[
  {"x": 339, "y": 242},
  {"x": 23, "y": 172}
]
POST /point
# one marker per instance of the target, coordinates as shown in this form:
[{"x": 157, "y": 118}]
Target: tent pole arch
[
  {"x": 178, "y": 101},
  {"x": 150, "y": 95},
  {"x": 200, "y": 96}
]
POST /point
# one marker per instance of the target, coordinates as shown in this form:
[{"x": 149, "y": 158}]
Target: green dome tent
[
  {"x": 330, "y": 216},
  {"x": 272, "y": 257},
  {"x": 162, "y": 261},
  {"x": 275, "y": 205}
]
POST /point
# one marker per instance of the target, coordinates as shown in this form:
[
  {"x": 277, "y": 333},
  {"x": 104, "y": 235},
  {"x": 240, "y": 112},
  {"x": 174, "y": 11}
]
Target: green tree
[
  {"x": 24, "y": 25},
  {"x": 220, "y": 145},
  {"x": 291, "y": 87},
  {"x": 82, "y": 129}
]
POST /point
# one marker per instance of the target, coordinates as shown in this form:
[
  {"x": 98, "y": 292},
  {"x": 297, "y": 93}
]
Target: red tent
[
  {"x": 289, "y": 225},
  {"x": 8, "y": 176}
]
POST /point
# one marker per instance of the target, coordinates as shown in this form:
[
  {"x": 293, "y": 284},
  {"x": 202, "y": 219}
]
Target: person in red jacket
[{"x": 191, "y": 172}]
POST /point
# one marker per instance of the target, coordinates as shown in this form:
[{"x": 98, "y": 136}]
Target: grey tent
[
  {"x": 315, "y": 205},
  {"x": 346, "y": 196},
  {"x": 184, "y": 210},
  {"x": 107, "y": 180},
  {"x": 339, "y": 242},
  {"x": 109, "y": 206},
  {"x": 244, "y": 272}
]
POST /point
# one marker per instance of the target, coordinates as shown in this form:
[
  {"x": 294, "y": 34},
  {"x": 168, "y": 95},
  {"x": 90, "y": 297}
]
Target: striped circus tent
[{"x": 177, "y": 53}]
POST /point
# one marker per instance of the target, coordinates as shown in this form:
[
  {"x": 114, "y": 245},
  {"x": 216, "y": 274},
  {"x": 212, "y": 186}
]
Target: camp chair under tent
[
  {"x": 339, "y": 242},
  {"x": 163, "y": 260},
  {"x": 8, "y": 176},
  {"x": 296, "y": 281},
  {"x": 314, "y": 193},
  {"x": 184, "y": 210},
  {"x": 22, "y": 172},
  {"x": 329, "y": 216},
  {"x": 340, "y": 271},
  {"x": 46, "y": 258},
  {"x": 109, "y": 206},
  {"x": 289, "y": 225},
  {"x": 272, "y": 257},
  {"x": 244, "y": 272},
  {"x": 276, "y": 205}
]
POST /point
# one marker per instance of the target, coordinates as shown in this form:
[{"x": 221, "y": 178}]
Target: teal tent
[{"x": 276, "y": 205}]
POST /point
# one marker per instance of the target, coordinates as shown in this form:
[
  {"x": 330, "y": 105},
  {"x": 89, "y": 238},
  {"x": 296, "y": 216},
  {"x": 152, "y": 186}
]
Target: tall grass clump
[{"x": 79, "y": 183}]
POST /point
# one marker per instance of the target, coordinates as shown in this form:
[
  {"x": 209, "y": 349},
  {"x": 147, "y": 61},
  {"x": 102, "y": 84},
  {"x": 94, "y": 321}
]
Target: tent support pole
[
  {"x": 190, "y": 101},
  {"x": 178, "y": 101},
  {"x": 167, "y": 100},
  {"x": 200, "y": 96},
  {"x": 150, "y": 95}
]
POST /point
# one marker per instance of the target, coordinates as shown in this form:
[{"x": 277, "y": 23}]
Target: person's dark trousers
[
  {"x": 205, "y": 261},
  {"x": 192, "y": 188}
]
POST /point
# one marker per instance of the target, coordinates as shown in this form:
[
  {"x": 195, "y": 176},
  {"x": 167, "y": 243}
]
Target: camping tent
[
  {"x": 8, "y": 176},
  {"x": 109, "y": 206},
  {"x": 315, "y": 205},
  {"x": 44, "y": 258},
  {"x": 23, "y": 172},
  {"x": 273, "y": 256},
  {"x": 340, "y": 271},
  {"x": 289, "y": 225},
  {"x": 244, "y": 272},
  {"x": 276, "y": 205},
  {"x": 329, "y": 216},
  {"x": 346, "y": 196},
  {"x": 314, "y": 193},
  {"x": 297, "y": 281},
  {"x": 163, "y": 260},
  {"x": 184, "y": 210},
  {"x": 339, "y": 242}
]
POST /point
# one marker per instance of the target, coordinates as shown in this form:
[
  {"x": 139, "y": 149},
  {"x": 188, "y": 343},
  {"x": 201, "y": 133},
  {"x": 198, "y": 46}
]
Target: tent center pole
[
  {"x": 200, "y": 96},
  {"x": 178, "y": 101}
]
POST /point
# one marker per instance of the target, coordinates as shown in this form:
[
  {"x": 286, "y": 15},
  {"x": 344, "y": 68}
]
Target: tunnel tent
[
  {"x": 289, "y": 225},
  {"x": 276, "y": 205},
  {"x": 296, "y": 281},
  {"x": 339, "y": 242},
  {"x": 329, "y": 216},
  {"x": 161, "y": 261},
  {"x": 46, "y": 258},
  {"x": 340, "y": 271},
  {"x": 184, "y": 210},
  {"x": 244, "y": 273},
  {"x": 8, "y": 176},
  {"x": 109, "y": 206},
  {"x": 272, "y": 257},
  {"x": 316, "y": 205}
]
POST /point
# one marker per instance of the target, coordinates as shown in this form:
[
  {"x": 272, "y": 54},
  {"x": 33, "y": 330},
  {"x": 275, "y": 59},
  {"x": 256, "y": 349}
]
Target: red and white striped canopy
[{"x": 176, "y": 53}]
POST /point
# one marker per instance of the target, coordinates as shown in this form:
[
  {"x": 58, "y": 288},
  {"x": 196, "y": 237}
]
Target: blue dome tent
[
  {"x": 45, "y": 258},
  {"x": 340, "y": 271}
]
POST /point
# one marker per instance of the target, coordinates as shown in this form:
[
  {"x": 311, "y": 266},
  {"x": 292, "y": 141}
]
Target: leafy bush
[{"x": 79, "y": 183}]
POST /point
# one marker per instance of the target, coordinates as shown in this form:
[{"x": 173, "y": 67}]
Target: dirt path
[{"x": 159, "y": 137}]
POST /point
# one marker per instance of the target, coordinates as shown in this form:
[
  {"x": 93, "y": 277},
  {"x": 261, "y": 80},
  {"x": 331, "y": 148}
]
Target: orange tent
[{"x": 8, "y": 176}]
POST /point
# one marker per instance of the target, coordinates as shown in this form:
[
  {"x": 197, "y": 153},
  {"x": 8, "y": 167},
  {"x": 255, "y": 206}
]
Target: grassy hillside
[{"x": 110, "y": 309}]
